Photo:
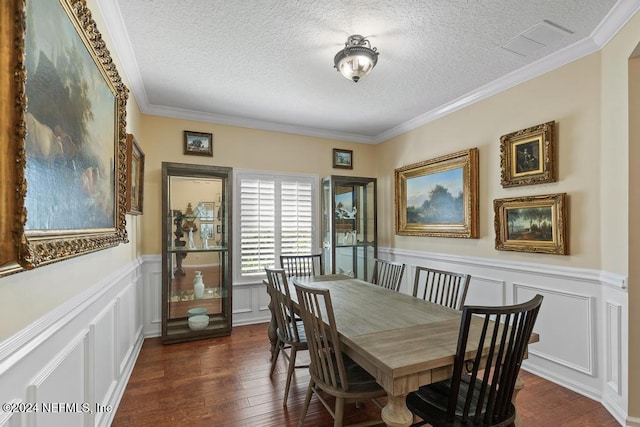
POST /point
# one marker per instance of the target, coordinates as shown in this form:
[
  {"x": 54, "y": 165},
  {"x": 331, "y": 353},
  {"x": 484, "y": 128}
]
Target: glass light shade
[{"x": 357, "y": 59}]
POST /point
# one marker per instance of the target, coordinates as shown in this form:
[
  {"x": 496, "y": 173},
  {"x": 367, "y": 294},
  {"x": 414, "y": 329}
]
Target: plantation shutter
[
  {"x": 276, "y": 217},
  {"x": 257, "y": 225},
  {"x": 296, "y": 218}
]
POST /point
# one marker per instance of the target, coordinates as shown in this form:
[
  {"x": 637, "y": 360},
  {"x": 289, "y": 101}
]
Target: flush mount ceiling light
[{"x": 357, "y": 59}]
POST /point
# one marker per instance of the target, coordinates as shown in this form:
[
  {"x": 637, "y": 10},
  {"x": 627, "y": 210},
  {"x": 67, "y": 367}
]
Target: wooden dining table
[{"x": 402, "y": 341}]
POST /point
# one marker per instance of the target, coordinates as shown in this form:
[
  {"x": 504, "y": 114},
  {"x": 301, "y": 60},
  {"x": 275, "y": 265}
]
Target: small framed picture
[
  {"x": 532, "y": 224},
  {"x": 527, "y": 156},
  {"x": 135, "y": 176},
  {"x": 198, "y": 143},
  {"x": 342, "y": 159}
]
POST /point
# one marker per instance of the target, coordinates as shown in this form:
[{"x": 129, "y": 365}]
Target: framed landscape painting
[
  {"x": 438, "y": 197},
  {"x": 198, "y": 143},
  {"x": 532, "y": 224},
  {"x": 342, "y": 159},
  {"x": 68, "y": 184}
]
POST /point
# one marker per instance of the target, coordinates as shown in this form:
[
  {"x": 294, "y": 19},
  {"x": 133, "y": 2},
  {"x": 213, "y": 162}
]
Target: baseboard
[{"x": 632, "y": 422}]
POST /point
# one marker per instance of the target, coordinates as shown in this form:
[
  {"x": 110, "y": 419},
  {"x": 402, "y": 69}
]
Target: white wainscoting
[
  {"x": 582, "y": 322},
  {"x": 73, "y": 364},
  {"x": 84, "y": 351}
]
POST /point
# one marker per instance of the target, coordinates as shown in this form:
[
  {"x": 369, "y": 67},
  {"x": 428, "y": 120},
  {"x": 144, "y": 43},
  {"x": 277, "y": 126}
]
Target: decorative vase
[{"x": 198, "y": 286}]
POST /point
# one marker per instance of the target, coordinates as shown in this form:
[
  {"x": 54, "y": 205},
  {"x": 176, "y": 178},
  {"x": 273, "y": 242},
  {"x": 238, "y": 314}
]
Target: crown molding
[
  {"x": 180, "y": 113},
  {"x": 521, "y": 75},
  {"x": 617, "y": 17},
  {"x": 118, "y": 34}
]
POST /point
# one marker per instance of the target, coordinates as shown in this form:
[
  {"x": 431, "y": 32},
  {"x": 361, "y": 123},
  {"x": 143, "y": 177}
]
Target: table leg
[
  {"x": 395, "y": 413},
  {"x": 519, "y": 386}
]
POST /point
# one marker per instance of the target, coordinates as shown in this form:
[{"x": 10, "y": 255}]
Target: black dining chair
[
  {"x": 302, "y": 265},
  {"x": 289, "y": 330},
  {"x": 441, "y": 287},
  {"x": 331, "y": 371},
  {"x": 387, "y": 274},
  {"x": 480, "y": 391}
]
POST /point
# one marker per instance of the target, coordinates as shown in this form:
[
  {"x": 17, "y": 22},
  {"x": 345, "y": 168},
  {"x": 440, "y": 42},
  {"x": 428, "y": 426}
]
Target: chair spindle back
[
  {"x": 486, "y": 383},
  {"x": 441, "y": 287},
  {"x": 302, "y": 265},
  {"x": 282, "y": 305},
  {"x": 387, "y": 274},
  {"x": 316, "y": 310}
]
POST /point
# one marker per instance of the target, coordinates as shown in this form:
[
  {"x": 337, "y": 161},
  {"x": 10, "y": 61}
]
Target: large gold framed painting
[
  {"x": 63, "y": 147},
  {"x": 438, "y": 197}
]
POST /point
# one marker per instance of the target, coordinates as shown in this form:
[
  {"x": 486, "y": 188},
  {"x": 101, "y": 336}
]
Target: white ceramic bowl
[
  {"x": 197, "y": 311},
  {"x": 197, "y": 323}
]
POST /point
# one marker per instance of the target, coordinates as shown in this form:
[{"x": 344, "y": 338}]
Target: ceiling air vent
[{"x": 545, "y": 33}]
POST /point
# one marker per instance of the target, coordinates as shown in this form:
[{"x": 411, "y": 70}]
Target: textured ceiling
[{"x": 269, "y": 63}]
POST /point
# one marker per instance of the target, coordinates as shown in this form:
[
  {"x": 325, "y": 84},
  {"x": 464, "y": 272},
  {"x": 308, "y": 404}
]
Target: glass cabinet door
[
  {"x": 349, "y": 225},
  {"x": 196, "y": 252}
]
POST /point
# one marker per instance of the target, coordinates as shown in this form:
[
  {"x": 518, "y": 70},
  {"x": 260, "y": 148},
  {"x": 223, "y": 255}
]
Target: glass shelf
[
  {"x": 210, "y": 249},
  {"x": 209, "y": 293}
]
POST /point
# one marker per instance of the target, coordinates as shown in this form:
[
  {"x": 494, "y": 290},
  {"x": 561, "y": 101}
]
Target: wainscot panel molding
[
  {"x": 152, "y": 295},
  {"x": 73, "y": 363},
  {"x": 582, "y": 323}
]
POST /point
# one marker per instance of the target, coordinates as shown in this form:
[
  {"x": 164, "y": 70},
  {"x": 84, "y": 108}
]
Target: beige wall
[
  {"x": 634, "y": 236},
  {"x": 238, "y": 148},
  {"x": 620, "y": 177},
  {"x": 621, "y": 174},
  {"x": 588, "y": 99},
  {"x": 571, "y": 97},
  {"x": 29, "y": 295}
]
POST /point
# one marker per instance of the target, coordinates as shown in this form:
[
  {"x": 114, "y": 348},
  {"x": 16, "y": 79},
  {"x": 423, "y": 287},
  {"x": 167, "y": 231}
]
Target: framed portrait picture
[
  {"x": 528, "y": 156},
  {"x": 532, "y": 224},
  {"x": 342, "y": 159},
  {"x": 198, "y": 143},
  {"x": 64, "y": 167},
  {"x": 438, "y": 197},
  {"x": 135, "y": 176}
]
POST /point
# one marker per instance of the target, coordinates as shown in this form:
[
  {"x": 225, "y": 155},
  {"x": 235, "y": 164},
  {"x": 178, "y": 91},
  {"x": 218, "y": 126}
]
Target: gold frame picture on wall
[
  {"x": 527, "y": 156},
  {"x": 532, "y": 224},
  {"x": 438, "y": 197},
  {"x": 63, "y": 162},
  {"x": 135, "y": 176}
]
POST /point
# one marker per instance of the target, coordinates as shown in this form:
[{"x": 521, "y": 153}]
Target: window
[{"x": 276, "y": 214}]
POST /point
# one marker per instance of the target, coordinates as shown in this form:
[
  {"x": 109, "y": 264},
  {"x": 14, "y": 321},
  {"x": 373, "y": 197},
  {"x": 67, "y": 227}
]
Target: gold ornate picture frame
[
  {"x": 135, "y": 176},
  {"x": 532, "y": 224},
  {"x": 527, "y": 156},
  {"x": 63, "y": 154},
  {"x": 438, "y": 197}
]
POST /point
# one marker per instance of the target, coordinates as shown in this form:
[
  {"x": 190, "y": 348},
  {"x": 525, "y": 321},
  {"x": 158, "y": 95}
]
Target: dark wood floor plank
[{"x": 224, "y": 382}]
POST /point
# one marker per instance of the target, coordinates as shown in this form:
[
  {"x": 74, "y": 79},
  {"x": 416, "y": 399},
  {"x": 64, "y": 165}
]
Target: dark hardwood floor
[{"x": 225, "y": 382}]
